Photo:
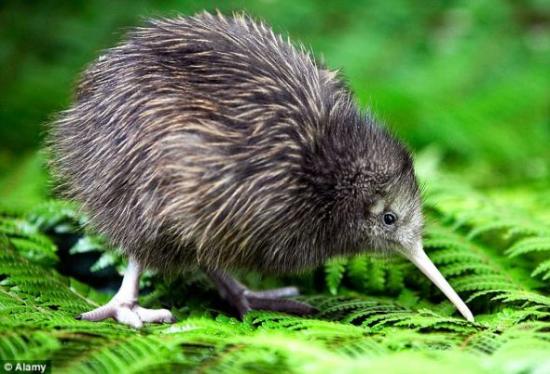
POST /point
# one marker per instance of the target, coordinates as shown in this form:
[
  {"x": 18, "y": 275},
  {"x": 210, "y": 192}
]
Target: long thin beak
[{"x": 419, "y": 258}]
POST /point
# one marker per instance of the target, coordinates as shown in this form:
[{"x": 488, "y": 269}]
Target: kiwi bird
[{"x": 211, "y": 142}]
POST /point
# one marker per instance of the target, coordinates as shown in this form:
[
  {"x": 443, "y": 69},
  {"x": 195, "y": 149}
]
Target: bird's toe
[{"x": 155, "y": 315}]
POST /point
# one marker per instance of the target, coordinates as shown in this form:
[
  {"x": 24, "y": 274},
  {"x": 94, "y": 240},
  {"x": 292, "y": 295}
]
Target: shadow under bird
[{"x": 211, "y": 142}]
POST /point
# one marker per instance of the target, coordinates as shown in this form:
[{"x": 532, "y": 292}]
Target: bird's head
[
  {"x": 393, "y": 222},
  {"x": 368, "y": 179}
]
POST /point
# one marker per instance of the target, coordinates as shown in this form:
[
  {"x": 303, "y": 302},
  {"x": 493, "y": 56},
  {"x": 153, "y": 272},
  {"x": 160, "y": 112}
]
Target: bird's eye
[{"x": 389, "y": 218}]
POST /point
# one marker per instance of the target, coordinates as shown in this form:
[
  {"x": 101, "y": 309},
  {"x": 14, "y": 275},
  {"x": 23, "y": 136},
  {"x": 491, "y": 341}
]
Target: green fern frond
[
  {"x": 28, "y": 240},
  {"x": 61, "y": 215},
  {"x": 542, "y": 269},
  {"x": 334, "y": 270},
  {"x": 376, "y": 279},
  {"x": 357, "y": 268},
  {"x": 529, "y": 245}
]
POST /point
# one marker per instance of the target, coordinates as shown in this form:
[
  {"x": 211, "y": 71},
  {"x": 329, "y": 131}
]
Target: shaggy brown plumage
[{"x": 212, "y": 142}]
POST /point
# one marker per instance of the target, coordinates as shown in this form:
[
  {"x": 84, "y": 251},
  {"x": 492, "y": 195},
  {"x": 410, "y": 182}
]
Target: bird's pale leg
[
  {"x": 124, "y": 308},
  {"x": 244, "y": 300}
]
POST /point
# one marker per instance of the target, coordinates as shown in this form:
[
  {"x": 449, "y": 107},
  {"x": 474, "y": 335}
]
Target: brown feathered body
[{"x": 211, "y": 141}]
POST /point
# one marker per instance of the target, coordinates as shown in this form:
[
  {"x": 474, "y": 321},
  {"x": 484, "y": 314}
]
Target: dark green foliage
[{"x": 374, "y": 308}]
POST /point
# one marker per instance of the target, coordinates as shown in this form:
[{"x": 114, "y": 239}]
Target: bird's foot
[
  {"x": 273, "y": 300},
  {"x": 128, "y": 313},
  {"x": 245, "y": 300}
]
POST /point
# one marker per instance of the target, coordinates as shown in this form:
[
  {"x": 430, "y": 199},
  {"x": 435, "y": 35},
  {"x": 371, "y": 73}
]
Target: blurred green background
[{"x": 468, "y": 78}]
